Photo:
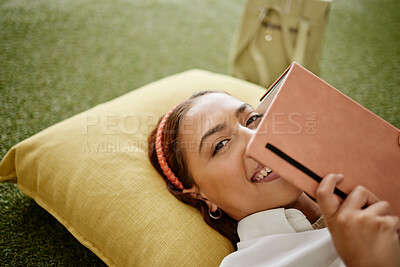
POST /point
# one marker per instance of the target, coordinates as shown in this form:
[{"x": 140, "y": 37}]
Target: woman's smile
[{"x": 264, "y": 174}]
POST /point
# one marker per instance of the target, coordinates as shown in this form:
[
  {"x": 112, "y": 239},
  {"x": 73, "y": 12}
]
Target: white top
[{"x": 282, "y": 237}]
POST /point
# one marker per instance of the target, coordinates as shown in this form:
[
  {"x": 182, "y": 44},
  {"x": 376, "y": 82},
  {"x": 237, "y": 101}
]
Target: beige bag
[{"x": 274, "y": 33}]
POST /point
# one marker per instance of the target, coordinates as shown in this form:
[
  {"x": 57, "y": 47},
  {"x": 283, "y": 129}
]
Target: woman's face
[{"x": 214, "y": 134}]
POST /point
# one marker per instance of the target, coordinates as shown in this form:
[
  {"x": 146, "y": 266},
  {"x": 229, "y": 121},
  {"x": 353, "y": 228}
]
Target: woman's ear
[{"x": 194, "y": 192}]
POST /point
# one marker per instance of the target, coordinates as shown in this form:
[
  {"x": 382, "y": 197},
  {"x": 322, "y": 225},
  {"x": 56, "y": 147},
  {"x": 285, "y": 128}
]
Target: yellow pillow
[{"x": 92, "y": 173}]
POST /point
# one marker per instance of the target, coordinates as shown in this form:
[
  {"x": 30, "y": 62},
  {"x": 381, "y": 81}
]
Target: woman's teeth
[{"x": 264, "y": 172}]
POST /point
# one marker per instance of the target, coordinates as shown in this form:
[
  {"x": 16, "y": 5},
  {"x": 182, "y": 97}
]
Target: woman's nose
[
  {"x": 248, "y": 162},
  {"x": 245, "y": 135}
]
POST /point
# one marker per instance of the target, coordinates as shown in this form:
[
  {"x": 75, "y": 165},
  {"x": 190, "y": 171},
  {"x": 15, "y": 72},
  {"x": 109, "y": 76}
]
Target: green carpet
[{"x": 58, "y": 58}]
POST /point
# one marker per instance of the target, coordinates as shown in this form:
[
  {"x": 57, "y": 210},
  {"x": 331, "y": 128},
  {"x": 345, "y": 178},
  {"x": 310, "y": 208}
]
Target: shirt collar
[{"x": 270, "y": 222}]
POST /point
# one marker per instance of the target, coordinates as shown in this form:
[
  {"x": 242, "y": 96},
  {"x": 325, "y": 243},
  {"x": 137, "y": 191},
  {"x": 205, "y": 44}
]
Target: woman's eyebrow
[
  {"x": 241, "y": 109},
  {"x": 217, "y": 128},
  {"x": 221, "y": 126}
]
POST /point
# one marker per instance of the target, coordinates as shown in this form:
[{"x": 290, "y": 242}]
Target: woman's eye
[
  {"x": 220, "y": 146},
  {"x": 253, "y": 119}
]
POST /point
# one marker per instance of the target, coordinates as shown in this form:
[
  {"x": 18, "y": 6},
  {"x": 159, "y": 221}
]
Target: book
[{"x": 310, "y": 129}]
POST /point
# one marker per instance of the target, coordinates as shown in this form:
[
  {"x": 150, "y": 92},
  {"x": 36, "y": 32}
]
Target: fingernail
[{"x": 340, "y": 175}]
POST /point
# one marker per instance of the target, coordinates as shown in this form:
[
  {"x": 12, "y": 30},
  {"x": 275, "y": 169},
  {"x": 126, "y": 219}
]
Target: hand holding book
[{"x": 363, "y": 228}]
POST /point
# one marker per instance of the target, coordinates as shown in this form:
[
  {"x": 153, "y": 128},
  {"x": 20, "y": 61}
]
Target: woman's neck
[{"x": 308, "y": 207}]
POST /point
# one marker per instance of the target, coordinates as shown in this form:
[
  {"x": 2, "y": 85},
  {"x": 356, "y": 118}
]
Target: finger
[
  {"x": 397, "y": 223},
  {"x": 328, "y": 202},
  {"x": 380, "y": 208},
  {"x": 359, "y": 198},
  {"x": 394, "y": 224},
  {"x": 398, "y": 228}
]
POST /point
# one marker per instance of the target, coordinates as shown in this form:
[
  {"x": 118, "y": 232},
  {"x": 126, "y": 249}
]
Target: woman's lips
[
  {"x": 269, "y": 178},
  {"x": 263, "y": 175}
]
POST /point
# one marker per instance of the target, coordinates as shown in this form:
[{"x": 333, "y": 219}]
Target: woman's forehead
[{"x": 211, "y": 103}]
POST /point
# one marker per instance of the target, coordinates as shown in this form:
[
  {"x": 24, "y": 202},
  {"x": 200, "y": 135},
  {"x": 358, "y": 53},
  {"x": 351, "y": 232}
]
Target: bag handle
[
  {"x": 301, "y": 41},
  {"x": 293, "y": 54}
]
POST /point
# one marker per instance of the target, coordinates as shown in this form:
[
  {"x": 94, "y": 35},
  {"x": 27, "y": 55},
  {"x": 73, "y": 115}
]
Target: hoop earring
[{"x": 213, "y": 216}]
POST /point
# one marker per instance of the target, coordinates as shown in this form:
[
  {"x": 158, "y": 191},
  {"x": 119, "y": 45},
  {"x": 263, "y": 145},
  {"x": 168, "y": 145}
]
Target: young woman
[{"x": 199, "y": 147}]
